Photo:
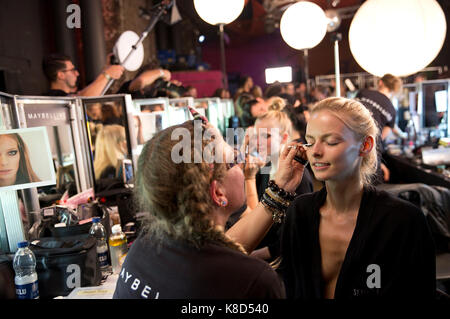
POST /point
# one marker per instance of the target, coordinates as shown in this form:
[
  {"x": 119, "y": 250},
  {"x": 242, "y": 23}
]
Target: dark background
[{"x": 30, "y": 29}]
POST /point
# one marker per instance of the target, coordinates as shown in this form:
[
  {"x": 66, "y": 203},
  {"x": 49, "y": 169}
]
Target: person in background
[
  {"x": 378, "y": 102},
  {"x": 245, "y": 85},
  {"x": 251, "y": 110},
  {"x": 301, "y": 94},
  {"x": 319, "y": 93},
  {"x": 256, "y": 91},
  {"x": 289, "y": 88},
  {"x": 191, "y": 91},
  {"x": 15, "y": 164},
  {"x": 275, "y": 89},
  {"x": 273, "y": 132},
  {"x": 62, "y": 76},
  {"x": 221, "y": 93}
]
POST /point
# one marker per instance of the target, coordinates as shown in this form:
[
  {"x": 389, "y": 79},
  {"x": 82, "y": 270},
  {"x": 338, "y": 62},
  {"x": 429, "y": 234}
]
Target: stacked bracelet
[
  {"x": 277, "y": 201},
  {"x": 281, "y": 192}
]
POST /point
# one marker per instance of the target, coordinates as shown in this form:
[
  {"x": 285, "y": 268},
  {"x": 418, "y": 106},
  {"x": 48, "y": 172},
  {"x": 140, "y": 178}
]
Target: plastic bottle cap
[
  {"x": 22, "y": 244},
  {"x": 96, "y": 219},
  {"x": 116, "y": 229}
]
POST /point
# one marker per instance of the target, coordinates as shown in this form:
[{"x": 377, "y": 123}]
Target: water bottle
[
  {"x": 99, "y": 232},
  {"x": 26, "y": 279},
  {"x": 118, "y": 248}
]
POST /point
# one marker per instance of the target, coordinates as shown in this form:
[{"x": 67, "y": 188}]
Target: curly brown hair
[{"x": 176, "y": 196}]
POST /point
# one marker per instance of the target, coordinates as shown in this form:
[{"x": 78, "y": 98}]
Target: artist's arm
[
  {"x": 97, "y": 86},
  {"x": 253, "y": 225},
  {"x": 147, "y": 78}
]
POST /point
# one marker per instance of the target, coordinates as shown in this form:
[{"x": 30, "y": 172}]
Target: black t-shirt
[
  {"x": 177, "y": 270},
  {"x": 384, "y": 114},
  {"x": 55, "y": 93},
  {"x": 390, "y": 233},
  {"x": 381, "y": 107}
]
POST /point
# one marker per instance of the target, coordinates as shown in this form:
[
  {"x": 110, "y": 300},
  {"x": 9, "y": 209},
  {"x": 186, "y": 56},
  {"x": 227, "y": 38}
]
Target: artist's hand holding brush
[{"x": 291, "y": 164}]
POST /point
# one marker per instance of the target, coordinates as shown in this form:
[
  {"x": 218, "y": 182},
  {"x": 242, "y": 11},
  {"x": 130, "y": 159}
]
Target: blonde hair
[
  {"x": 107, "y": 148},
  {"x": 275, "y": 112},
  {"x": 176, "y": 196},
  {"x": 360, "y": 121}
]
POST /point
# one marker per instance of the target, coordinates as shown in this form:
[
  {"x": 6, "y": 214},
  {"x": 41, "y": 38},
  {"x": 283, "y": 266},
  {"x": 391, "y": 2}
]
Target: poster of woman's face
[{"x": 25, "y": 159}]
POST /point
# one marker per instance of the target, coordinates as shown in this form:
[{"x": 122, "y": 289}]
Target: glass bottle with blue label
[{"x": 26, "y": 279}]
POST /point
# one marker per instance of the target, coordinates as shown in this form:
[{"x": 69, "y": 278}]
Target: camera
[{"x": 162, "y": 88}]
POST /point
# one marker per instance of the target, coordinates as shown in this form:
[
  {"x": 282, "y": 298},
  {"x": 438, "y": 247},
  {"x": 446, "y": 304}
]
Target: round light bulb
[
  {"x": 303, "y": 25},
  {"x": 400, "y": 37},
  {"x": 219, "y": 11}
]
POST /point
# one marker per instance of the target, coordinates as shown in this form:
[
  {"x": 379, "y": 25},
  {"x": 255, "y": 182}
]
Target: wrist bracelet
[
  {"x": 274, "y": 203},
  {"x": 277, "y": 198},
  {"x": 277, "y": 215},
  {"x": 288, "y": 196},
  {"x": 107, "y": 76}
]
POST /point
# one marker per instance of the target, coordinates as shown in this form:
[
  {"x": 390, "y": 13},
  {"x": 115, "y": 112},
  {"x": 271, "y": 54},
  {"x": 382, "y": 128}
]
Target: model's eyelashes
[
  {"x": 309, "y": 145},
  {"x": 13, "y": 153}
]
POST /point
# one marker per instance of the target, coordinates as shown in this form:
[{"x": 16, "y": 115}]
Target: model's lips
[
  {"x": 320, "y": 165},
  {"x": 5, "y": 171}
]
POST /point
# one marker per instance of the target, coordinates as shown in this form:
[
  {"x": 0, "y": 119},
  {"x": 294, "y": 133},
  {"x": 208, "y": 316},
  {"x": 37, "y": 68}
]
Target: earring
[{"x": 224, "y": 203}]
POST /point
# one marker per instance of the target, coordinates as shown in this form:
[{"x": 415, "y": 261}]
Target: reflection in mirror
[
  {"x": 108, "y": 130},
  {"x": 110, "y": 149},
  {"x": 147, "y": 125},
  {"x": 63, "y": 155},
  {"x": 152, "y": 108},
  {"x": 435, "y": 112}
]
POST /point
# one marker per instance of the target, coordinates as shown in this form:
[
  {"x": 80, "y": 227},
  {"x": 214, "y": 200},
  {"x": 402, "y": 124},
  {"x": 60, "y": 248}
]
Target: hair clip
[{"x": 197, "y": 116}]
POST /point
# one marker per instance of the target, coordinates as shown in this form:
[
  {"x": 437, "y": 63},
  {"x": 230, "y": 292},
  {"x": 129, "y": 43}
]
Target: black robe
[{"x": 390, "y": 233}]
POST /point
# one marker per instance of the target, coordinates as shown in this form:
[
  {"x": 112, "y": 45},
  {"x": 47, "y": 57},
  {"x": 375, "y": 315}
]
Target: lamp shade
[
  {"x": 303, "y": 25},
  {"x": 219, "y": 11},
  {"x": 400, "y": 37}
]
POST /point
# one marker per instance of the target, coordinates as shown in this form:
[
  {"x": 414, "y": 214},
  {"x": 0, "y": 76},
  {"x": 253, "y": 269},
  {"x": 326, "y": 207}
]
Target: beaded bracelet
[
  {"x": 274, "y": 203},
  {"x": 277, "y": 201},
  {"x": 281, "y": 192},
  {"x": 277, "y": 198}
]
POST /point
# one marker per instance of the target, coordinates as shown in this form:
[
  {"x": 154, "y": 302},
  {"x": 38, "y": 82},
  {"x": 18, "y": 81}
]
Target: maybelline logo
[{"x": 46, "y": 116}]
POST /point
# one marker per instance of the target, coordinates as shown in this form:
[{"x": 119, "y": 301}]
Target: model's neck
[{"x": 344, "y": 196}]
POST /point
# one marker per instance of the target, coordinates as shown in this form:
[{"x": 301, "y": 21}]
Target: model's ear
[{"x": 367, "y": 146}]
